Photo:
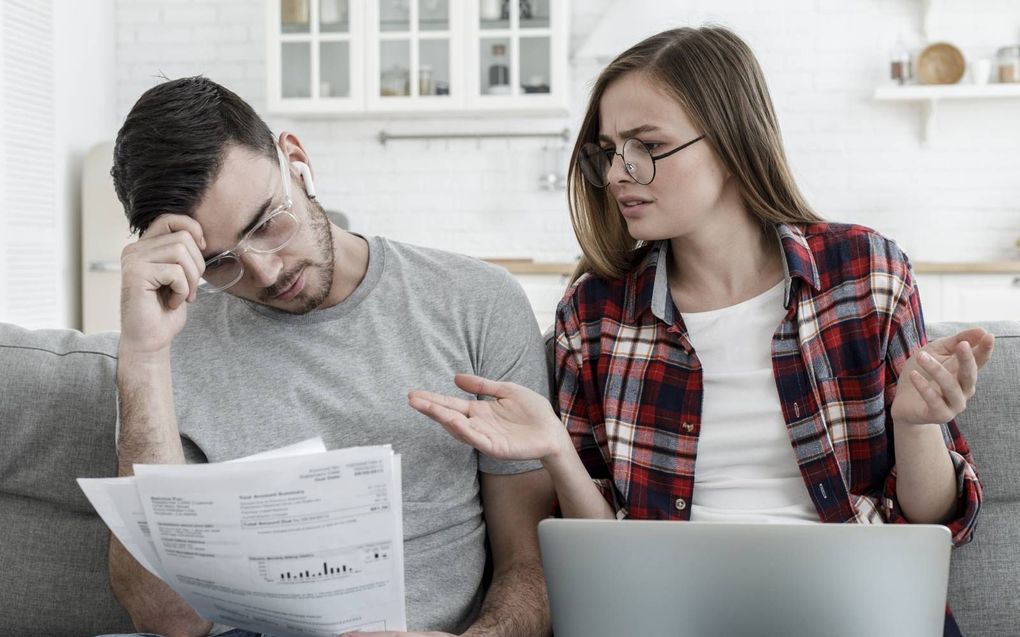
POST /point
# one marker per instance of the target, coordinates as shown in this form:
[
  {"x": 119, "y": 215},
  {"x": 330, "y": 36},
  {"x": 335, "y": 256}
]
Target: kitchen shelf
[
  {"x": 930, "y": 96},
  {"x": 947, "y": 92}
]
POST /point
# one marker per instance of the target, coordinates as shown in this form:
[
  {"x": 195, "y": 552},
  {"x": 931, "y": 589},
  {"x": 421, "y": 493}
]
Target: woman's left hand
[{"x": 938, "y": 379}]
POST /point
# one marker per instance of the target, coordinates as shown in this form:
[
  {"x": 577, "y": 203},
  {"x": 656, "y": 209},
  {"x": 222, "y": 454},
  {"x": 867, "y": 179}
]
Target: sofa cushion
[
  {"x": 57, "y": 420},
  {"x": 986, "y": 573}
]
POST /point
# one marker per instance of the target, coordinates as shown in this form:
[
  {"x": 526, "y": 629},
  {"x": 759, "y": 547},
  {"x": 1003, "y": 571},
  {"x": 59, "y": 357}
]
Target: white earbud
[{"x": 306, "y": 177}]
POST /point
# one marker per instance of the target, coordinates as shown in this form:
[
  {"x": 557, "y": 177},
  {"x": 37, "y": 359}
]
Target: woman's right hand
[{"x": 519, "y": 424}]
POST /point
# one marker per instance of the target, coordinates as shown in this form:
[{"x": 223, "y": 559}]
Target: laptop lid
[{"x": 704, "y": 579}]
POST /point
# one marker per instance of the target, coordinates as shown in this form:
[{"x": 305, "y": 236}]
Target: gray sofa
[{"x": 57, "y": 414}]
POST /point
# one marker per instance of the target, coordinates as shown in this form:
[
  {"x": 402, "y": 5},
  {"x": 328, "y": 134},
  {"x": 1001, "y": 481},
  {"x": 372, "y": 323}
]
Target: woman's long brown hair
[{"x": 716, "y": 79}]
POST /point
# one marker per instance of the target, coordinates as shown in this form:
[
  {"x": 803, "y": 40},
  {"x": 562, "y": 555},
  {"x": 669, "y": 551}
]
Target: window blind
[{"x": 30, "y": 262}]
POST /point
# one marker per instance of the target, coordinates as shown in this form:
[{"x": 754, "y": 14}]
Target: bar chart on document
[
  {"x": 341, "y": 564},
  {"x": 306, "y": 545}
]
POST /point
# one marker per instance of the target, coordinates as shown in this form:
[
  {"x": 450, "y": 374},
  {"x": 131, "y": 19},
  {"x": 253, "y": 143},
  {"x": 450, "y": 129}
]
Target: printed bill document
[{"x": 295, "y": 542}]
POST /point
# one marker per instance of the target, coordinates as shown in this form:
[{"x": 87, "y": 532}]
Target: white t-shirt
[{"x": 745, "y": 470}]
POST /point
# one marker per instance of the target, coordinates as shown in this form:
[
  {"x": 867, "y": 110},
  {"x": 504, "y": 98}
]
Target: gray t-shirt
[{"x": 248, "y": 378}]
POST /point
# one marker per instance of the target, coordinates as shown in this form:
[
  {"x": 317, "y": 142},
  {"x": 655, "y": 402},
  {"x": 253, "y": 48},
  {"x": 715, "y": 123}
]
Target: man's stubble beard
[{"x": 321, "y": 270}]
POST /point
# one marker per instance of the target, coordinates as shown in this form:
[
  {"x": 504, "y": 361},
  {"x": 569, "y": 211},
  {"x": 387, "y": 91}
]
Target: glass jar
[
  {"x": 425, "y": 86},
  {"x": 1008, "y": 62},
  {"x": 394, "y": 81}
]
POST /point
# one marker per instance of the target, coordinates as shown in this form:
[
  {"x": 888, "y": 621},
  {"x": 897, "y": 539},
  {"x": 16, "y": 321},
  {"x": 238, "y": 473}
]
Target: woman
[{"x": 724, "y": 354}]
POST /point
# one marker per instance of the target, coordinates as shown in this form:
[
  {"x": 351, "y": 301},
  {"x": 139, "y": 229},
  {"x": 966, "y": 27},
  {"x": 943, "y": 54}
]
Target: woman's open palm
[{"x": 519, "y": 424}]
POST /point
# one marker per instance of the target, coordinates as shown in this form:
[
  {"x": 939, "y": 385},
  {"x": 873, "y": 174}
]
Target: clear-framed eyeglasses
[
  {"x": 276, "y": 229},
  {"x": 638, "y": 161}
]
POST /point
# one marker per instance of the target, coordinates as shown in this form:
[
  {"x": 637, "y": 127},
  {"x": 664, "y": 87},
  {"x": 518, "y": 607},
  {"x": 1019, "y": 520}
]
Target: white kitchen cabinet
[
  {"x": 970, "y": 297},
  {"x": 981, "y": 297},
  {"x": 315, "y": 56},
  {"x": 417, "y": 56}
]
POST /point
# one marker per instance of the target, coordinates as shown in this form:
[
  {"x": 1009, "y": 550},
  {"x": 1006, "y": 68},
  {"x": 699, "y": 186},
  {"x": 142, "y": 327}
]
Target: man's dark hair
[{"x": 173, "y": 142}]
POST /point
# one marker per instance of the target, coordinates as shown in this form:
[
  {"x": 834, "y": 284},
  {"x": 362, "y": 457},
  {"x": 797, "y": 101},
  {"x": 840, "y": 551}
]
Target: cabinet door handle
[
  {"x": 1016, "y": 281},
  {"x": 114, "y": 266}
]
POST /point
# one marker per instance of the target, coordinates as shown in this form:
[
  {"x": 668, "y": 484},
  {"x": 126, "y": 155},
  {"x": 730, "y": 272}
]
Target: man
[{"x": 314, "y": 331}]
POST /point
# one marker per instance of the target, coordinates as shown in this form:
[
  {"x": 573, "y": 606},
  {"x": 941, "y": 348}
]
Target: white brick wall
[{"x": 858, "y": 160}]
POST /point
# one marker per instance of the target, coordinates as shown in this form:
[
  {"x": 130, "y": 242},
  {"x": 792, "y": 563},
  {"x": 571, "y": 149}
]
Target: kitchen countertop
[
  {"x": 1005, "y": 266},
  {"x": 530, "y": 266}
]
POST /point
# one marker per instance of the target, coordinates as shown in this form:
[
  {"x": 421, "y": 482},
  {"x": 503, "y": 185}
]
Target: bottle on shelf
[
  {"x": 499, "y": 72},
  {"x": 899, "y": 63},
  {"x": 425, "y": 85}
]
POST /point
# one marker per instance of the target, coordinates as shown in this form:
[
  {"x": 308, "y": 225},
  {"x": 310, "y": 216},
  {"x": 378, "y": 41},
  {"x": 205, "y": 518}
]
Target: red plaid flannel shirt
[{"x": 630, "y": 383}]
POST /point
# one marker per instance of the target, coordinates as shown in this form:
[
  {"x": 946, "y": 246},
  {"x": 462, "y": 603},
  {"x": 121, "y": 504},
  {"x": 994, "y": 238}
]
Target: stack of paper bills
[{"x": 293, "y": 542}]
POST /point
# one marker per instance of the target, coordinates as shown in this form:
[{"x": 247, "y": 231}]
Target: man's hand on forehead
[
  {"x": 169, "y": 223},
  {"x": 168, "y": 255}
]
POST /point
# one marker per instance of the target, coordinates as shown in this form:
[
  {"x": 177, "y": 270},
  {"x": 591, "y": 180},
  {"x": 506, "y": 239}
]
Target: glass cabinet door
[
  {"x": 315, "y": 49},
  {"x": 495, "y": 54},
  {"x": 514, "y": 48},
  {"x": 394, "y": 15},
  {"x": 434, "y": 15},
  {"x": 334, "y": 69},
  {"x": 535, "y": 64},
  {"x": 295, "y": 69},
  {"x": 434, "y": 43},
  {"x": 493, "y": 15},
  {"x": 433, "y": 67},
  {"x": 535, "y": 46},
  {"x": 334, "y": 48},
  {"x": 534, "y": 14},
  {"x": 334, "y": 16},
  {"x": 394, "y": 68},
  {"x": 414, "y": 49},
  {"x": 295, "y": 16},
  {"x": 296, "y": 52},
  {"x": 384, "y": 56}
]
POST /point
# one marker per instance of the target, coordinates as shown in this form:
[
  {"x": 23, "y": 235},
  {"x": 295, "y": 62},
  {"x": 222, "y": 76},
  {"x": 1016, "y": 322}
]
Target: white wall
[{"x": 857, "y": 159}]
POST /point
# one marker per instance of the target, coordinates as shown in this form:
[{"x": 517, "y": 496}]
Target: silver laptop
[{"x": 703, "y": 579}]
